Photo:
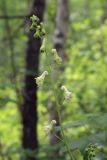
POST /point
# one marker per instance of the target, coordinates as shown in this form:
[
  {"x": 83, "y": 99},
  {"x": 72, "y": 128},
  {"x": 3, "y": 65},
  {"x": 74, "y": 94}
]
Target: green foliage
[{"x": 85, "y": 65}]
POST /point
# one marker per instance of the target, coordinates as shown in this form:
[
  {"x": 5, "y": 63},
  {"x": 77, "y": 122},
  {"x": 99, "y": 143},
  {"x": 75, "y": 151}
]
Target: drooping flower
[
  {"x": 67, "y": 93},
  {"x": 57, "y": 58},
  {"x": 43, "y": 46},
  {"x": 40, "y": 79},
  {"x": 50, "y": 128},
  {"x": 43, "y": 32}
]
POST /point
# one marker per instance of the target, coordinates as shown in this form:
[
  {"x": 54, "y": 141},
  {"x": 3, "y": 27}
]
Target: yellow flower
[
  {"x": 50, "y": 128},
  {"x": 40, "y": 79},
  {"x": 57, "y": 58},
  {"x": 67, "y": 93}
]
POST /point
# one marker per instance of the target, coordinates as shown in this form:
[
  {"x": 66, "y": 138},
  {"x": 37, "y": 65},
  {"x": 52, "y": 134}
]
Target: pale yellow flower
[
  {"x": 67, "y": 93},
  {"x": 50, "y": 128},
  {"x": 40, "y": 79},
  {"x": 57, "y": 58}
]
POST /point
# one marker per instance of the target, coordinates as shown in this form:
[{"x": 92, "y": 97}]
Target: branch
[
  {"x": 11, "y": 47},
  {"x": 14, "y": 34},
  {"x": 2, "y": 17}
]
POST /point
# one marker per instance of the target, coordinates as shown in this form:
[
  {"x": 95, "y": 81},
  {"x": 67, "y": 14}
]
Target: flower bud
[
  {"x": 42, "y": 31},
  {"x": 35, "y": 21},
  {"x": 34, "y": 18},
  {"x": 37, "y": 33},
  {"x": 90, "y": 151},
  {"x": 43, "y": 47}
]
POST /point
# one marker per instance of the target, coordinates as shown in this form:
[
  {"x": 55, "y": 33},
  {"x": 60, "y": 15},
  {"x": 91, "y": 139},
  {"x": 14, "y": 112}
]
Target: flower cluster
[
  {"x": 38, "y": 27},
  {"x": 90, "y": 151}
]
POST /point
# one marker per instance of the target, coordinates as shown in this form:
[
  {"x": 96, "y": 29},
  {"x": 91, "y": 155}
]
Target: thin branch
[
  {"x": 2, "y": 17},
  {"x": 14, "y": 34},
  {"x": 11, "y": 47}
]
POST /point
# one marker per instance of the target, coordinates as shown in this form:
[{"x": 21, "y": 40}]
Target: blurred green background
[{"x": 85, "y": 74}]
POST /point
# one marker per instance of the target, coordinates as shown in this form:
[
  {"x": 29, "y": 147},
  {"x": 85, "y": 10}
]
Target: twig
[
  {"x": 11, "y": 47},
  {"x": 2, "y": 17}
]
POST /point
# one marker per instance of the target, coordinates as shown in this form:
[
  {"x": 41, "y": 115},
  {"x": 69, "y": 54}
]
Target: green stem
[
  {"x": 60, "y": 121},
  {"x": 62, "y": 130},
  {"x": 59, "y": 138},
  {"x": 59, "y": 116}
]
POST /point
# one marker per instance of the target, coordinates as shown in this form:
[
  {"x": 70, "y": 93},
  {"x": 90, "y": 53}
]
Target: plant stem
[{"x": 62, "y": 130}]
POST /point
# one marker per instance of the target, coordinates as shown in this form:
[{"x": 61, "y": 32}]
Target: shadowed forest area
[{"x": 53, "y": 80}]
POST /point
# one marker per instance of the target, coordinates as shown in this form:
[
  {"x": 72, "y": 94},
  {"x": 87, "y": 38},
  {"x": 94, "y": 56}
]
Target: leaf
[
  {"x": 82, "y": 142},
  {"x": 94, "y": 119}
]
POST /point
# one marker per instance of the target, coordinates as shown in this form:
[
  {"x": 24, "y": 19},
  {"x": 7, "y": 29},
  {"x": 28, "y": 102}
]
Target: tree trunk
[
  {"x": 29, "y": 107},
  {"x": 87, "y": 7},
  {"x": 104, "y": 7},
  {"x": 62, "y": 22}
]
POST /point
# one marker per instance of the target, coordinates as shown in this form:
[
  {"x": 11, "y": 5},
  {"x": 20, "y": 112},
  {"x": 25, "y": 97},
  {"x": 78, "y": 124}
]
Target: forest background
[{"x": 81, "y": 41}]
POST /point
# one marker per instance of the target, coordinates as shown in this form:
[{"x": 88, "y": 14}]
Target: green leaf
[
  {"x": 81, "y": 143},
  {"x": 94, "y": 119}
]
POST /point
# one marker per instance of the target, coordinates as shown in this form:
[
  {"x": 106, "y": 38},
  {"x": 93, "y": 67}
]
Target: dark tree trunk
[{"x": 29, "y": 107}]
